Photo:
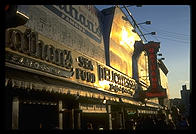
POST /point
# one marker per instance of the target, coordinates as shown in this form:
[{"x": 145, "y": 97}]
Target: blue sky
[{"x": 172, "y": 26}]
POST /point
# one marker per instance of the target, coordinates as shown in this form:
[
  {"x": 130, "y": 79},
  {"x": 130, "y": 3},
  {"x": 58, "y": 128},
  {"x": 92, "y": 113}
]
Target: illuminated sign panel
[
  {"x": 26, "y": 49},
  {"x": 164, "y": 81},
  {"x": 122, "y": 40},
  {"x": 143, "y": 68},
  {"x": 116, "y": 82},
  {"x": 75, "y": 26},
  {"x": 155, "y": 89}
]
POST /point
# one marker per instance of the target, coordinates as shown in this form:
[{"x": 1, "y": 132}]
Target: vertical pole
[
  {"x": 15, "y": 113},
  {"x": 120, "y": 120},
  {"x": 60, "y": 114},
  {"x": 72, "y": 118},
  {"x": 78, "y": 120},
  {"x": 110, "y": 117},
  {"x": 78, "y": 117},
  {"x": 123, "y": 118}
]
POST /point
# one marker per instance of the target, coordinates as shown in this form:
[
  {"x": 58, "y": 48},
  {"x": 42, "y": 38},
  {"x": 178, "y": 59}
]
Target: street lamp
[
  {"x": 152, "y": 33},
  {"x": 161, "y": 59},
  {"x": 148, "y": 22},
  {"x": 160, "y": 54}
]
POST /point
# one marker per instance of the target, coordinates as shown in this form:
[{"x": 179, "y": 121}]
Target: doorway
[
  {"x": 38, "y": 116},
  {"x": 98, "y": 120}
]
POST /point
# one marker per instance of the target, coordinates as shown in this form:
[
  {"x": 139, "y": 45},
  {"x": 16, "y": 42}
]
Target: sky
[{"x": 172, "y": 26}]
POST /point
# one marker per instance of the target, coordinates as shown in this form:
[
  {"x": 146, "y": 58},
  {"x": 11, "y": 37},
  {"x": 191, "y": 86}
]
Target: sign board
[
  {"x": 75, "y": 26},
  {"x": 164, "y": 80},
  {"x": 92, "y": 108},
  {"x": 140, "y": 111},
  {"x": 30, "y": 50},
  {"x": 131, "y": 111},
  {"x": 155, "y": 89},
  {"x": 143, "y": 69},
  {"x": 122, "y": 40}
]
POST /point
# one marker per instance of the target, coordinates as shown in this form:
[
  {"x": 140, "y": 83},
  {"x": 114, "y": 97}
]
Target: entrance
[
  {"x": 38, "y": 116},
  {"x": 98, "y": 120}
]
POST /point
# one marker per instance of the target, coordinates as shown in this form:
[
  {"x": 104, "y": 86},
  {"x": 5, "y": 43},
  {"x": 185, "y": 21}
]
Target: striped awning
[{"x": 53, "y": 87}]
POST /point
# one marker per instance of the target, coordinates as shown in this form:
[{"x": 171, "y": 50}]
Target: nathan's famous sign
[
  {"x": 77, "y": 27},
  {"x": 28, "y": 49},
  {"x": 73, "y": 16}
]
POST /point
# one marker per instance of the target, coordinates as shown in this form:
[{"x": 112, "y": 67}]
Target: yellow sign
[
  {"x": 122, "y": 40},
  {"x": 27, "y": 49}
]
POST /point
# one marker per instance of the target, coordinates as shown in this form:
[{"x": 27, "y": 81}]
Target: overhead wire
[
  {"x": 169, "y": 37},
  {"x": 149, "y": 32},
  {"x": 165, "y": 31},
  {"x": 180, "y": 41},
  {"x": 173, "y": 35}
]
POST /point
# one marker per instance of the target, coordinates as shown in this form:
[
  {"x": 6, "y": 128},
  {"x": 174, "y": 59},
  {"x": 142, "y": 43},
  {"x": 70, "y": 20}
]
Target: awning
[
  {"x": 24, "y": 80},
  {"x": 154, "y": 105},
  {"x": 131, "y": 101}
]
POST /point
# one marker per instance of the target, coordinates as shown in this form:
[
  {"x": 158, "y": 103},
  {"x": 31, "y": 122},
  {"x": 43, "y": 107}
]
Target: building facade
[
  {"x": 71, "y": 65},
  {"x": 185, "y": 97}
]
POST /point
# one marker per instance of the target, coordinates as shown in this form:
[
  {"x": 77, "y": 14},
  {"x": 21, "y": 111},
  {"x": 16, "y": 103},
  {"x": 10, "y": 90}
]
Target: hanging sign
[
  {"x": 92, "y": 108},
  {"x": 155, "y": 89}
]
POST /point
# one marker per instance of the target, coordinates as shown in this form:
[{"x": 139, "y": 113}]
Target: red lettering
[
  {"x": 153, "y": 73},
  {"x": 152, "y": 56},
  {"x": 151, "y": 50},
  {"x": 158, "y": 94},
  {"x": 153, "y": 67},
  {"x": 154, "y": 86},
  {"x": 154, "y": 79}
]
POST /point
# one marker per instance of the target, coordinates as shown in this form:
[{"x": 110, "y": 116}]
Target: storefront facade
[{"x": 56, "y": 73}]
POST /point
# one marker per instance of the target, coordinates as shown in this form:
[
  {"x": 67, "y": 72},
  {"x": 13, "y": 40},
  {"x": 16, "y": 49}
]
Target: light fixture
[
  {"x": 159, "y": 54},
  {"x": 125, "y": 18},
  {"x": 152, "y": 33},
  {"x": 162, "y": 59},
  {"x": 146, "y": 22},
  {"x": 104, "y": 101}
]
